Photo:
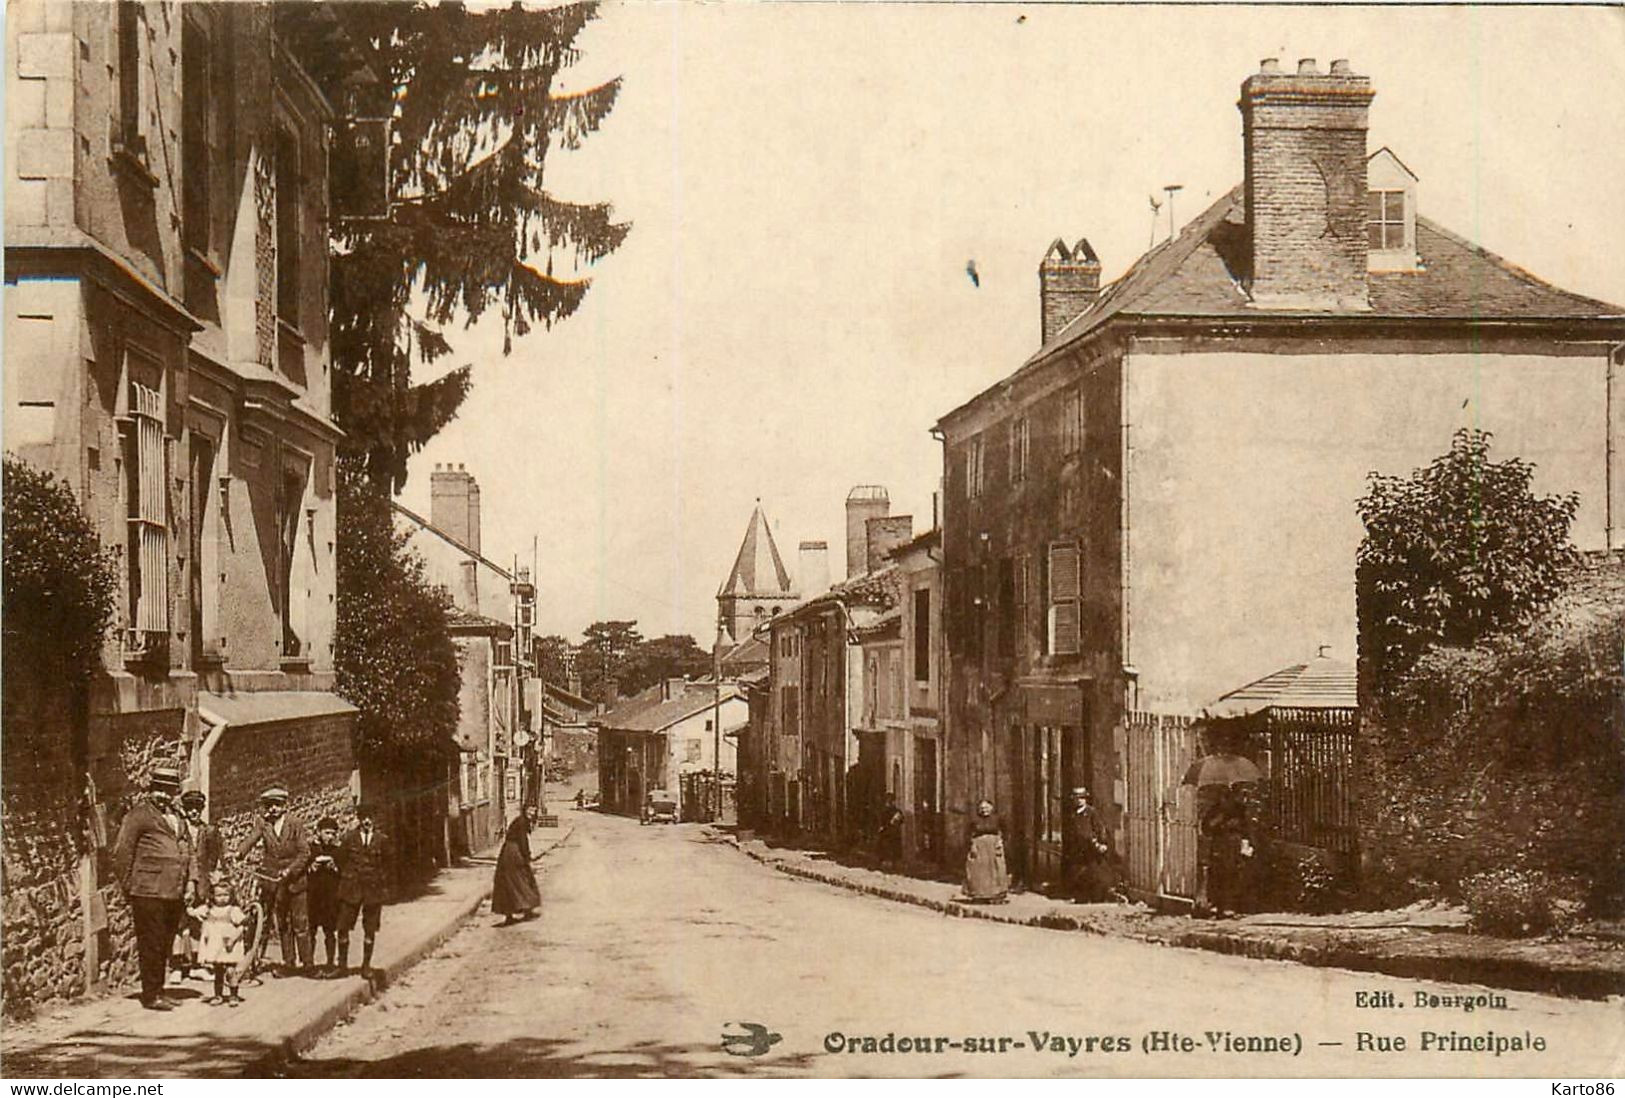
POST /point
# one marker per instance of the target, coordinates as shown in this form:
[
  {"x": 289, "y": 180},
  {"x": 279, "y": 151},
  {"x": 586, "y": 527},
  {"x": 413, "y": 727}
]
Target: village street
[{"x": 654, "y": 941}]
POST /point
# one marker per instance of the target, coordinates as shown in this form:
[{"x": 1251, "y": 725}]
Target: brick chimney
[
  {"x": 1068, "y": 283},
  {"x": 1304, "y": 140},
  {"x": 812, "y": 569},
  {"x": 863, "y": 502},
  {"x": 882, "y": 535},
  {"x": 454, "y": 504}
]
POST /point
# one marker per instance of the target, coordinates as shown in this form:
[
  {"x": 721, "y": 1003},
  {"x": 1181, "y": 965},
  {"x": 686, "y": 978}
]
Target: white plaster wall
[{"x": 1243, "y": 474}]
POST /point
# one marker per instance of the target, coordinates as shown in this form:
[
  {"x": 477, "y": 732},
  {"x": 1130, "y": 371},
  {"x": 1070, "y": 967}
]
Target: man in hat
[
  {"x": 281, "y": 876},
  {"x": 1089, "y": 853},
  {"x": 207, "y": 855},
  {"x": 152, "y": 859},
  {"x": 364, "y": 866}
]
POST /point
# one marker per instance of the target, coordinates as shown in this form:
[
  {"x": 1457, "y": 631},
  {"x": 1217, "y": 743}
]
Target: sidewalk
[
  {"x": 1426, "y": 944},
  {"x": 113, "y": 1038}
]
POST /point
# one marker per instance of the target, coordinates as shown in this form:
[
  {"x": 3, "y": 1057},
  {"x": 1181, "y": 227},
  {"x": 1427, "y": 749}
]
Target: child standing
[
  {"x": 323, "y": 889},
  {"x": 220, "y": 944}
]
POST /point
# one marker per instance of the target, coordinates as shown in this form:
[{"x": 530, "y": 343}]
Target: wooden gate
[{"x": 1161, "y": 822}]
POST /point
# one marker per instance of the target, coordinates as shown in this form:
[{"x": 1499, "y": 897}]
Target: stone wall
[
  {"x": 311, "y": 759},
  {"x": 41, "y": 838}
]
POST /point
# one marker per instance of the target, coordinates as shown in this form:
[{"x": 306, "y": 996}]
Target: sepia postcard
[{"x": 836, "y": 540}]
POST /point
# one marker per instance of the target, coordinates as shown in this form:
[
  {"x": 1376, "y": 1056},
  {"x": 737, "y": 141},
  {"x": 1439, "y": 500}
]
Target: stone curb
[
  {"x": 1511, "y": 973},
  {"x": 319, "y": 1025}
]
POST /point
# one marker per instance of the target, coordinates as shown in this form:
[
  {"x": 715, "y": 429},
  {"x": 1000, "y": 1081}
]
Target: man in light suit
[{"x": 152, "y": 857}]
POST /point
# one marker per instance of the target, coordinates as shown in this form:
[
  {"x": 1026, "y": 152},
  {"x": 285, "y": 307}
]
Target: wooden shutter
[
  {"x": 152, "y": 596},
  {"x": 1064, "y": 593}
]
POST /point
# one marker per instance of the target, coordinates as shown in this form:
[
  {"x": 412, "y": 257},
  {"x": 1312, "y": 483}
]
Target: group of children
[{"x": 216, "y": 935}]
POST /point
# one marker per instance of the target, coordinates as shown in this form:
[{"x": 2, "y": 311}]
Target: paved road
[{"x": 653, "y": 940}]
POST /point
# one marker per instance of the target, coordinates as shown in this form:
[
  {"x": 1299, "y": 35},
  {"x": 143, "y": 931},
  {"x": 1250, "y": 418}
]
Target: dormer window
[
  {"x": 1385, "y": 220},
  {"x": 1390, "y": 220}
]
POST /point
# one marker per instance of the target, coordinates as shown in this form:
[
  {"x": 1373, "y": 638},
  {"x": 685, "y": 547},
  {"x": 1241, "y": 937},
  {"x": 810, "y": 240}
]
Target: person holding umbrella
[{"x": 1223, "y": 844}]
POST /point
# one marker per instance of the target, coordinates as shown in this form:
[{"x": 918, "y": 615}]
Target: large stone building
[
  {"x": 167, "y": 357},
  {"x": 492, "y": 710},
  {"x": 1160, "y": 503}
]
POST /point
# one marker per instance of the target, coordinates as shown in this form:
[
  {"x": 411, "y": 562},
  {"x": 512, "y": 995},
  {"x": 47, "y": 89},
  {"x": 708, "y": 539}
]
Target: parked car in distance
[{"x": 659, "y": 807}]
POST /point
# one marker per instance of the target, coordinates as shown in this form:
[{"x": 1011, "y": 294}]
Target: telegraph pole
[{"x": 716, "y": 718}]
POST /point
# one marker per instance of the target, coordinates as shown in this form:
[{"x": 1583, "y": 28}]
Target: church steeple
[{"x": 758, "y": 586}]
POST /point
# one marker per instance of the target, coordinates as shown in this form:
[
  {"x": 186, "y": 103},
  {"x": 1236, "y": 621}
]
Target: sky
[{"x": 806, "y": 183}]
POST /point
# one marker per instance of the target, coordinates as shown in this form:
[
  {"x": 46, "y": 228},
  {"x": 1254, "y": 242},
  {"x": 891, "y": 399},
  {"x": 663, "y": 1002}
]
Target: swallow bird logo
[{"x": 755, "y": 1041}]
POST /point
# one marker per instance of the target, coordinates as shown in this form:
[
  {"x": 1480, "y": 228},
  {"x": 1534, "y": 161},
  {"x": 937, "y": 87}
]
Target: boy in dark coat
[
  {"x": 364, "y": 868},
  {"x": 322, "y": 888}
]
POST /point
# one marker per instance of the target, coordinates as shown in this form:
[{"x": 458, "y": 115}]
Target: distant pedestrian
[
  {"x": 891, "y": 833},
  {"x": 364, "y": 867},
  {"x": 281, "y": 876},
  {"x": 221, "y": 947},
  {"x": 514, "y": 892},
  {"x": 987, "y": 880},
  {"x": 1225, "y": 849},
  {"x": 153, "y": 861},
  {"x": 207, "y": 854},
  {"x": 322, "y": 890}
]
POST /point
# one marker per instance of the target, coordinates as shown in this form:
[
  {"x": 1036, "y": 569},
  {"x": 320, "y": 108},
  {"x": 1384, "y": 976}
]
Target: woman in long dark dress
[
  {"x": 514, "y": 892},
  {"x": 986, "y": 878}
]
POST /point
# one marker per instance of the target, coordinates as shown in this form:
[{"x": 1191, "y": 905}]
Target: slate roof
[
  {"x": 1203, "y": 272},
  {"x": 758, "y": 571},
  {"x": 647, "y": 712},
  {"x": 1322, "y": 683}
]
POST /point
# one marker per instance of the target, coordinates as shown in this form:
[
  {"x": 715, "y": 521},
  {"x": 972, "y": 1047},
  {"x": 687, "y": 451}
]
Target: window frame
[
  {"x": 1020, "y": 448},
  {"x": 1065, "y": 599},
  {"x": 922, "y": 636},
  {"x": 1384, "y": 220},
  {"x": 975, "y": 467},
  {"x": 1074, "y": 426}
]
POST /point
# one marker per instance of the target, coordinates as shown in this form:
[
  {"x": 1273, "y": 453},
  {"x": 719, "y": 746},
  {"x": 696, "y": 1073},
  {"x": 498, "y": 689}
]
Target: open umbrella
[{"x": 1221, "y": 770}]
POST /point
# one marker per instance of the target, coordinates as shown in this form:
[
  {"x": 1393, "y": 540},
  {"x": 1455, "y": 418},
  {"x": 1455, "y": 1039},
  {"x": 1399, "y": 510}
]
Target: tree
[
  {"x": 553, "y": 658},
  {"x": 1456, "y": 551},
  {"x": 393, "y": 656},
  {"x": 473, "y": 109},
  {"x": 674, "y": 656},
  {"x": 602, "y": 656}
]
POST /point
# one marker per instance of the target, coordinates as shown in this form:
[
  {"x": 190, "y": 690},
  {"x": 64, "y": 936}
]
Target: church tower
[{"x": 758, "y": 586}]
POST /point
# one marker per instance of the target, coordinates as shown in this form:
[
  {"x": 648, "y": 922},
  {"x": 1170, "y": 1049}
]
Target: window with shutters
[
  {"x": 130, "y": 136},
  {"x": 289, "y": 226},
  {"x": 1065, "y": 590},
  {"x": 148, "y": 546},
  {"x": 198, "y": 137},
  {"x": 973, "y": 468},
  {"x": 1020, "y": 448},
  {"x": 291, "y": 590},
  {"x": 922, "y": 635},
  {"x": 1072, "y": 432}
]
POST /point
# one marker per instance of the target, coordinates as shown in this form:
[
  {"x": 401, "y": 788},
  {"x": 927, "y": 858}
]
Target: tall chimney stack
[
  {"x": 454, "y": 504},
  {"x": 1304, "y": 136},
  {"x": 863, "y": 502},
  {"x": 812, "y": 568},
  {"x": 882, "y": 535},
  {"x": 1068, "y": 283}
]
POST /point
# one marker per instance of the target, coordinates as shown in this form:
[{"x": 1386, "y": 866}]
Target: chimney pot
[
  {"x": 1270, "y": 65},
  {"x": 1307, "y": 67},
  {"x": 1340, "y": 67}
]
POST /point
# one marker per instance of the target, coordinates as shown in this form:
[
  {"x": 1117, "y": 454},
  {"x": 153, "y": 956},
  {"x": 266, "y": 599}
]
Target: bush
[
  {"x": 1300, "y": 879},
  {"x": 1522, "y": 903},
  {"x": 59, "y": 580}
]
